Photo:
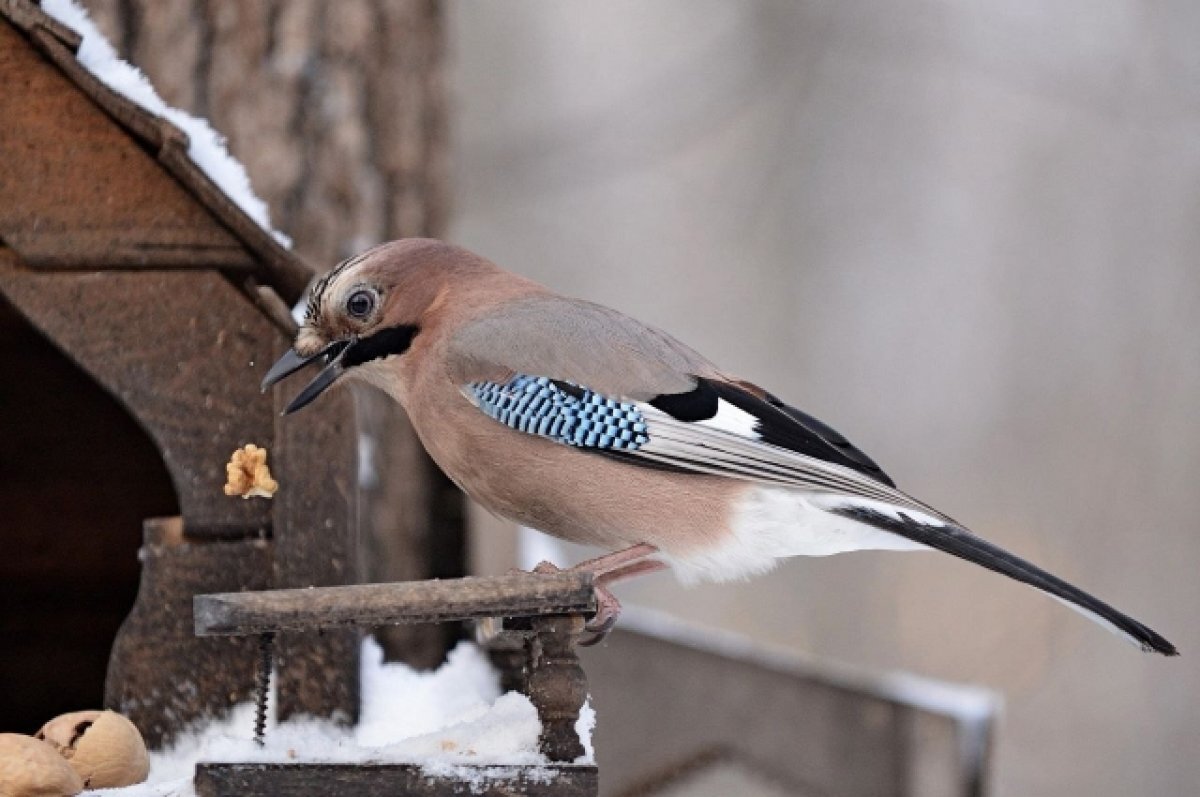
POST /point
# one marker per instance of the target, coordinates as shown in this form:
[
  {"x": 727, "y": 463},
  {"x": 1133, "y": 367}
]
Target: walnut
[
  {"x": 104, "y": 748},
  {"x": 247, "y": 473},
  {"x": 31, "y": 768}
]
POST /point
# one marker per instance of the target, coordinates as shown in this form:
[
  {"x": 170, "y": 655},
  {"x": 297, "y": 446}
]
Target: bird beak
[{"x": 291, "y": 362}]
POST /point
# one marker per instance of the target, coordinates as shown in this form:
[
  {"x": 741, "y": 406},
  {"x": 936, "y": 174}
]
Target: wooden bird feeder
[{"x": 118, "y": 250}]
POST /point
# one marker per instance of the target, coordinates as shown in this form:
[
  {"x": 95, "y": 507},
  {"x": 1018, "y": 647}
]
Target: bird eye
[{"x": 360, "y": 304}]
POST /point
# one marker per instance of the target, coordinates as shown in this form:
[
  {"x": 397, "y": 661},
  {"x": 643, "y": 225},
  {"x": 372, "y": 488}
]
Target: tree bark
[{"x": 338, "y": 112}]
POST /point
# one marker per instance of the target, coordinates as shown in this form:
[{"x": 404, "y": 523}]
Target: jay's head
[{"x": 372, "y": 307}]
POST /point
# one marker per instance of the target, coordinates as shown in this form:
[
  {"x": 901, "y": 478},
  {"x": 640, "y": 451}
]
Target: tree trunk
[{"x": 338, "y": 113}]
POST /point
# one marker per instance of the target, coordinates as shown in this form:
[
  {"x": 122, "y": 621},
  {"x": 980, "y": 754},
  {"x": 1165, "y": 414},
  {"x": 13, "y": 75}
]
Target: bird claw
[
  {"x": 607, "y": 569},
  {"x": 608, "y": 609}
]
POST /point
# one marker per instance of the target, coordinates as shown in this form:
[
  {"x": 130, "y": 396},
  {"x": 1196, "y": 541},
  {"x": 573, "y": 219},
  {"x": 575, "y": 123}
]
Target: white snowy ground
[
  {"x": 440, "y": 720},
  {"x": 207, "y": 147}
]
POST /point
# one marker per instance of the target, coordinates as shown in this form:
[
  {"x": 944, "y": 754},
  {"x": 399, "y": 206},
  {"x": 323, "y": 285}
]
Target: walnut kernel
[{"x": 247, "y": 474}]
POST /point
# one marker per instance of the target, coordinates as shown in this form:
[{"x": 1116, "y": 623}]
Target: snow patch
[
  {"x": 450, "y": 721},
  {"x": 206, "y": 148},
  {"x": 584, "y": 727}
]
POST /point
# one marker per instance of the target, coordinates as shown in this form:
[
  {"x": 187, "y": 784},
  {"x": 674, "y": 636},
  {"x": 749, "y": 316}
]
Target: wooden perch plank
[
  {"x": 517, "y": 595},
  {"x": 376, "y": 780}
]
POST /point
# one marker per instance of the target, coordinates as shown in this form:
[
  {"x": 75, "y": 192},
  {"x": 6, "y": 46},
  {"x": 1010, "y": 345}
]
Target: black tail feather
[{"x": 965, "y": 545}]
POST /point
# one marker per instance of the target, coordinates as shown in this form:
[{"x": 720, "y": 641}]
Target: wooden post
[
  {"x": 557, "y": 684},
  {"x": 509, "y": 653}
]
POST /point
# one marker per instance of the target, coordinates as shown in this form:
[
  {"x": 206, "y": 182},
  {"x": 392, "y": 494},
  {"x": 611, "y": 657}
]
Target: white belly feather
[{"x": 771, "y": 523}]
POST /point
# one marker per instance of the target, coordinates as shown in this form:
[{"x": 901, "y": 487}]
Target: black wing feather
[
  {"x": 830, "y": 435},
  {"x": 777, "y": 423}
]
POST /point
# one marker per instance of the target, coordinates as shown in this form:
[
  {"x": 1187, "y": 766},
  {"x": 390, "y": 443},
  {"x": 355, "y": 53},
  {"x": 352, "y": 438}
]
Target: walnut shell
[
  {"x": 104, "y": 748},
  {"x": 31, "y": 768}
]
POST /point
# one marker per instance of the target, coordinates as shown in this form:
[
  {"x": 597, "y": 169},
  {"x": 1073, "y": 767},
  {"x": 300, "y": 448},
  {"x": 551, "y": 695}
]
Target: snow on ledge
[
  {"x": 206, "y": 148},
  {"x": 450, "y": 721}
]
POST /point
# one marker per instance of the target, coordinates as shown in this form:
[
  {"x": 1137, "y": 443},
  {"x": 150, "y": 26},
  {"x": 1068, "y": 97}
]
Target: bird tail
[{"x": 959, "y": 542}]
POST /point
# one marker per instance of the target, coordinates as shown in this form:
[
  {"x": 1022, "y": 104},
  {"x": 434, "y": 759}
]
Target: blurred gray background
[{"x": 964, "y": 234}]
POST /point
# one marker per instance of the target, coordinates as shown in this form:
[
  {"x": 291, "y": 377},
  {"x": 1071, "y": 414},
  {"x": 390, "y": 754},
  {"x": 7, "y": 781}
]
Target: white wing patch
[
  {"x": 770, "y": 523},
  {"x": 732, "y": 419}
]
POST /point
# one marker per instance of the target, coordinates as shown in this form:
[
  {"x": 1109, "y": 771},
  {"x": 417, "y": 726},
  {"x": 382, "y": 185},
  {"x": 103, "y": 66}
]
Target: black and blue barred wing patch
[
  {"x": 563, "y": 412},
  {"x": 666, "y": 435}
]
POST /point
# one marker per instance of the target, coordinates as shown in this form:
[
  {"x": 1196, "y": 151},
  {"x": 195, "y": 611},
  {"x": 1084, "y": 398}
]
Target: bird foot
[
  {"x": 608, "y": 569},
  {"x": 608, "y": 608}
]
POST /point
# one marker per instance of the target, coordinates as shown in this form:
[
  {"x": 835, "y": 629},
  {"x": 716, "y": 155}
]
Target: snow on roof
[
  {"x": 441, "y": 720},
  {"x": 206, "y": 146}
]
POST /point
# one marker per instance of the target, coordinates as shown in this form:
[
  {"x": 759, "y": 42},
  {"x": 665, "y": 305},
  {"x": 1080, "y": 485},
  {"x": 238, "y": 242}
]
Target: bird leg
[
  {"x": 611, "y": 561},
  {"x": 642, "y": 568},
  {"x": 608, "y": 569}
]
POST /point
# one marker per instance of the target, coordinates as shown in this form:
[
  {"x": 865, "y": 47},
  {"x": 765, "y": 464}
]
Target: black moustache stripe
[{"x": 384, "y": 343}]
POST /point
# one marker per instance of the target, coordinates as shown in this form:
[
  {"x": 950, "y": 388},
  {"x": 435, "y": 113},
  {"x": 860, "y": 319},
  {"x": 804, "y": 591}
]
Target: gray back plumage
[{"x": 579, "y": 342}]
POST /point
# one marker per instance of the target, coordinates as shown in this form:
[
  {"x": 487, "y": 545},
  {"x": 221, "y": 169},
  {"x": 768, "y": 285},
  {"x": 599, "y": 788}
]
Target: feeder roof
[{"x": 245, "y": 246}]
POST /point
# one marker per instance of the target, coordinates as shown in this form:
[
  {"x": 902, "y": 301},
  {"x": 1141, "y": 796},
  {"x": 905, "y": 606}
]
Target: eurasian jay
[{"x": 574, "y": 419}]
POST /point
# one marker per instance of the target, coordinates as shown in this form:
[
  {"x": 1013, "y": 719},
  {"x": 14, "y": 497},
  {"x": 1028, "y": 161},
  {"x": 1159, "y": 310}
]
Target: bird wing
[
  {"x": 563, "y": 368},
  {"x": 673, "y": 434}
]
